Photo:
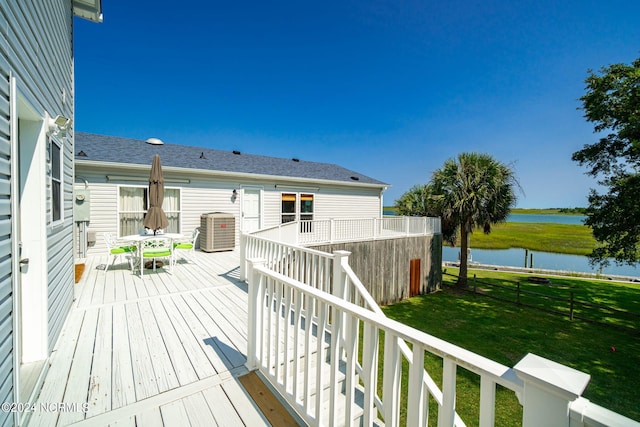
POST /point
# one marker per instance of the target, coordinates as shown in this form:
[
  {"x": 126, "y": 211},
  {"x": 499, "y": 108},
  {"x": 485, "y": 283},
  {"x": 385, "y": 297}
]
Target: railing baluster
[
  {"x": 447, "y": 411},
  {"x": 334, "y": 361},
  {"x": 287, "y": 338},
  {"x": 278, "y": 329},
  {"x": 391, "y": 380},
  {"x": 308, "y": 325},
  {"x": 268, "y": 334},
  {"x": 320, "y": 330},
  {"x": 487, "y": 401},
  {"x": 370, "y": 371},
  {"x": 416, "y": 380},
  {"x": 298, "y": 297},
  {"x": 351, "y": 346}
]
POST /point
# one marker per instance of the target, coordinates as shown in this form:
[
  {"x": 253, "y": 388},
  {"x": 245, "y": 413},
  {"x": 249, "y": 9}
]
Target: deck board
[
  {"x": 100, "y": 389},
  {"x": 198, "y": 411},
  {"x": 80, "y": 373},
  {"x": 123, "y": 388},
  {"x": 223, "y": 411},
  {"x": 179, "y": 358},
  {"x": 161, "y": 349},
  {"x": 162, "y": 366}
]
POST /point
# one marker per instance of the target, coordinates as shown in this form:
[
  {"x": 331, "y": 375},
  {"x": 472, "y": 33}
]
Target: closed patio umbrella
[{"x": 155, "y": 219}]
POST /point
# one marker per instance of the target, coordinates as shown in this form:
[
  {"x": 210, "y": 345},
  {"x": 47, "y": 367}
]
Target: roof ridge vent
[{"x": 154, "y": 141}]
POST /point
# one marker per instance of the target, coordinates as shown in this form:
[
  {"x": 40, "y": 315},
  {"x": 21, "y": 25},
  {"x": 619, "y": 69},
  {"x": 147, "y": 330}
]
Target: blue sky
[{"x": 390, "y": 89}]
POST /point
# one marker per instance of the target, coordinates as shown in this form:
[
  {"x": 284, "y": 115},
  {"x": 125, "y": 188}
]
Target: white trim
[
  {"x": 141, "y": 178},
  {"x": 51, "y": 141},
  {"x": 15, "y": 244},
  {"x": 298, "y": 188}
]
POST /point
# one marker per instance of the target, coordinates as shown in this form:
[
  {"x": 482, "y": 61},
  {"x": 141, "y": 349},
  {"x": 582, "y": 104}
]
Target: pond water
[
  {"x": 543, "y": 260},
  {"x": 556, "y": 219}
]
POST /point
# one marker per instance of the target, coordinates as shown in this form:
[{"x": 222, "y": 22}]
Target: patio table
[{"x": 137, "y": 238}]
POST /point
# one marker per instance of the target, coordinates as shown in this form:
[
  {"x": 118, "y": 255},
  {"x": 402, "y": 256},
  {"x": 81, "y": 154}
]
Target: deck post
[
  {"x": 253, "y": 316},
  {"x": 340, "y": 259},
  {"x": 339, "y": 288},
  {"x": 549, "y": 388}
]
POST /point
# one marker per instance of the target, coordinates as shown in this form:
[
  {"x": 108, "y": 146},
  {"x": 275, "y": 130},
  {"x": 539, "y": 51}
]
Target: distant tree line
[{"x": 581, "y": 211}]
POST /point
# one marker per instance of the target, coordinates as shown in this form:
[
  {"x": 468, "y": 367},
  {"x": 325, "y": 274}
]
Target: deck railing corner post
[
  {"x": 253, "y": 317},
  {"x": 340, "y": 259},
  {"x": 549, "y": 388}
]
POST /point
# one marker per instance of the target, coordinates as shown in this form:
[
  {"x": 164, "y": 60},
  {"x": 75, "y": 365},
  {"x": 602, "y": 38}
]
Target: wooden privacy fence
[{"x": 566, "y": 305}]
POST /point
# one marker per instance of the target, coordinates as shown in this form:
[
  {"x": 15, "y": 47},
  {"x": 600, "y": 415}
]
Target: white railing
[
  {"x": 307, "y": 233},
  {"x": 314, "y": 333}
]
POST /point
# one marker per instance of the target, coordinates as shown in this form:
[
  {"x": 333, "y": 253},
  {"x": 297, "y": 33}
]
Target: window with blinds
[{"x": 133, "y": 203}]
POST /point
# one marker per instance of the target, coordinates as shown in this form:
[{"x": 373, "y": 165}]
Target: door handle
[{"x": 24, "y": 261}]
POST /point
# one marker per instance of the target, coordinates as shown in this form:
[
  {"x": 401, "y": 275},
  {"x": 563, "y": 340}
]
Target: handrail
[
  {"x": 297, "y": 287},
  {"x": 281, "y": 290}
]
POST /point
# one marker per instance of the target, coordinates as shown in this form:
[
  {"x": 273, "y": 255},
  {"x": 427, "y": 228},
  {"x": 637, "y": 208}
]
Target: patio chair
[
  {"x": 116, "y": 250},
  {"x": 154, "y": 248},
  {"x": 186, "y": 247}
]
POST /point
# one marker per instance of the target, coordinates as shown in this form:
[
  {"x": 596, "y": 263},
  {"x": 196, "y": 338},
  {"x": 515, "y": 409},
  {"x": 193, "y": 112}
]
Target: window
[
  {"x": 306, "y": 212},
  {"x": 292, "y": 211},
  {"x": 306, "y": 207},
  {"x": 133, "y": 204},
  {"x": 57, "y": 193},
  {"x": 288, "y": 207}
]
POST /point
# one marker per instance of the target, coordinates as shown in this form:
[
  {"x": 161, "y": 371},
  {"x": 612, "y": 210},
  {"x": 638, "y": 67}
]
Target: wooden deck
[{"x": 164, "y": 349}]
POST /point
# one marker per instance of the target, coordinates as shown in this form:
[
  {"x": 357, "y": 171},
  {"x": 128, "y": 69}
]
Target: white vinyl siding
[
  {"x": 204, "y": 195},
  {"x": 347, "y": 204},
  {"x": 36, "y": 48}
]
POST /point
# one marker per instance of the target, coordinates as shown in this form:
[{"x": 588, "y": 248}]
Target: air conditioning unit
[{"x": 217, "y": 232}]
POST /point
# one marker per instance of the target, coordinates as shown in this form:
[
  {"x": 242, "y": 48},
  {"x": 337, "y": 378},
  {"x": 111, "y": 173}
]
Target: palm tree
[
  {"x": 472, "y": 191},
  {"x": 415, "y": 202}
]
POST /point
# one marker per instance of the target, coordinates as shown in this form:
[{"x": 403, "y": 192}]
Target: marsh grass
[{"x": 543, "y": 237}]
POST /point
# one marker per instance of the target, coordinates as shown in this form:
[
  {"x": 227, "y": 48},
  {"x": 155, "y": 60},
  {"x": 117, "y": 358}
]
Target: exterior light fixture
[{"x": 58, "y": 124}]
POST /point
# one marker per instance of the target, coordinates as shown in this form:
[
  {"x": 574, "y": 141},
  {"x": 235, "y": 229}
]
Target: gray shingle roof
[{"x": 134, "y": 151}]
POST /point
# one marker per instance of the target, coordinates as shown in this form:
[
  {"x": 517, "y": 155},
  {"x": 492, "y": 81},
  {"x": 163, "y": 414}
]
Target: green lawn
[{"x": 506, "y": 333}]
